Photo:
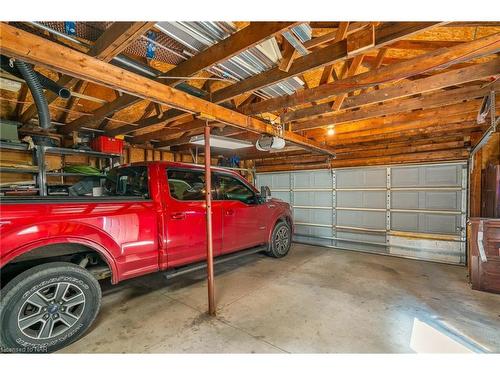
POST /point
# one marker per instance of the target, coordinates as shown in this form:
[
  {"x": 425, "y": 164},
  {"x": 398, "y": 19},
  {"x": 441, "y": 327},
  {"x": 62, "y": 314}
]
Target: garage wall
[{"x": 415, "y": 211}]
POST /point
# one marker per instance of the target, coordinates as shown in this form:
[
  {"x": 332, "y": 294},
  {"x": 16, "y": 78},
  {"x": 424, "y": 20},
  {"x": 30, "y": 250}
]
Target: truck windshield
[{"x": 128, "y": 181}]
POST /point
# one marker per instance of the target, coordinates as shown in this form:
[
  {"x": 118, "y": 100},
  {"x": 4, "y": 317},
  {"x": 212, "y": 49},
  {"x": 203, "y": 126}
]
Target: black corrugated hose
[
  {"x": 36, "y": 89},
  {"x": 47, "y": 83}
]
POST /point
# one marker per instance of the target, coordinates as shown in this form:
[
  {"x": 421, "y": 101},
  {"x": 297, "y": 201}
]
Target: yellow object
[
  {"x": 206, "y": 116},
  {"x": 121, "y": 136}
]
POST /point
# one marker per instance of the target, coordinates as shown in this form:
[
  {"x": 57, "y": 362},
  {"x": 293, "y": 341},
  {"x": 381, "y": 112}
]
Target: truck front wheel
[
  {"x": 281, "y": 240},
  {"x": 47, "y": 307}
]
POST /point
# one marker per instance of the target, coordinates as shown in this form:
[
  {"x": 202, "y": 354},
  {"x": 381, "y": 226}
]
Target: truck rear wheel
[
  {"x": 47, "y": 307},
  {"x": 281, "y": 240}
]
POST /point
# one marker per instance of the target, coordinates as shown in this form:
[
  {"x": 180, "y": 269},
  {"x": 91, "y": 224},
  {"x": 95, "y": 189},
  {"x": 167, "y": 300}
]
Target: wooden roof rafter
[
  {"x": 430, "y": 61},
  {"x": 34, "y": 49},
  {"x": 111, "y": 43},
  {"x": 236, "y": 43}
]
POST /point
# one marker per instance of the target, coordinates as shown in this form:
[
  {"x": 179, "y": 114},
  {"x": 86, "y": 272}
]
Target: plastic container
[{"x": 107, "y": 144}]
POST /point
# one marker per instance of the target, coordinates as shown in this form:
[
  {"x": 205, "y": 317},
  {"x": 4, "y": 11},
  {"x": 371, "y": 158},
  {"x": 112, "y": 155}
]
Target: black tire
[
  {"x": 42, "y": 311},
  {"x": 281, "y": 240}
]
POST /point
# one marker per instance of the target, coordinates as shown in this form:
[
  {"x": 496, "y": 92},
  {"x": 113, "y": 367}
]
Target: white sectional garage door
[{"x": 415, "y": 211}]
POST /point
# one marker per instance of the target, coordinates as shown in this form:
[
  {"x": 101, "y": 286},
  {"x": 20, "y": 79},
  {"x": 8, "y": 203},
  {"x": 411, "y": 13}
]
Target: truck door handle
[
  {"x": 178, "y": 216},
  {"x": 229, "y": 212}
]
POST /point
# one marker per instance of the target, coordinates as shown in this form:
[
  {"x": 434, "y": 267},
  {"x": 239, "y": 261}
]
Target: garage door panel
[
  {"x": 313, "y": 198},
  {"x": 357, "y": 236},
  {"x": 426, "y": 223},
  {"x": 439, "y": 251},
  {"x": 426, "y": 176},
  {"x": 361, "y": 178},
  {"x": 274, "y": 180},
  {"x": 427, "y": 200},
  {"x": 356, "y": 199},
  {"x": 308, "y": 230},
  {"x": 361, "y": 219},
  {"x": 283, "y": 195},
  {"x": 313, "y": 216},
  {"x": 320, "y": 179}
]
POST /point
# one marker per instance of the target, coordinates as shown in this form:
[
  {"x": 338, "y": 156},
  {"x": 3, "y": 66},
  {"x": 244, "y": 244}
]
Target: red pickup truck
[{"x": 152, "y": 218}]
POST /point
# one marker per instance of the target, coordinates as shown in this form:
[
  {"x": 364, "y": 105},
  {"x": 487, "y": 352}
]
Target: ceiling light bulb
[{"x": 330, "y": 131}]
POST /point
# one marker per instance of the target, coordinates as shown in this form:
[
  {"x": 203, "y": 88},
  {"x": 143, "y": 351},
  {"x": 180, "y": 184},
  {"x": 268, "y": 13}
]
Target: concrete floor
[{"x": 314, "y": 300}]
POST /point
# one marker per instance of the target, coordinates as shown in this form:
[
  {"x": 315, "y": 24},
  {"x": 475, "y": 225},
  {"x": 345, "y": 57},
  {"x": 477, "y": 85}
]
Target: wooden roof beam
[
  {"x": 349, "y": 132},
  {"x": 34, "y": 49},
  {"x": 430, "y": 61},
  {"x": 248, "y": 37},
  {"x": 325, "y": 56},
  {"x": 433, "y": 100},
  {"x": 385, "y": 34},
  {"x": 240, "y": 41},
  {"x": 111, "y": 43},
  {"x": 405, "y": 89},
  {"x": 431, "y": 131},
  {"x": 419, "y": 157}
]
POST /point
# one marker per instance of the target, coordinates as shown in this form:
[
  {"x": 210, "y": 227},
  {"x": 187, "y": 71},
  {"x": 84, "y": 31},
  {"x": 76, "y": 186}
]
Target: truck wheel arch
[
  {"x": 285, "y": 218},
  {"x": 66, "y": 241}
]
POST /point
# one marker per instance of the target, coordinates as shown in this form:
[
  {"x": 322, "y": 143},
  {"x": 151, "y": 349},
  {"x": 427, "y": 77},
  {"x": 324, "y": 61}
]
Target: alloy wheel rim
[
  {"x": 51, "y": 310},
  {"x": 281, "y": 240}
]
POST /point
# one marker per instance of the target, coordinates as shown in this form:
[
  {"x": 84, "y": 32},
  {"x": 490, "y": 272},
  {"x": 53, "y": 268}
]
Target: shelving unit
[{"x": 39, "y": 154}]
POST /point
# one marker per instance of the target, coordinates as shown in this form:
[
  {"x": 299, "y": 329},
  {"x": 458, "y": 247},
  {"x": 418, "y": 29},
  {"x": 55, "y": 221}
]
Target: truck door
[
  {"x": 186, "y": 217},
  {"x": 244, "y": 223}
]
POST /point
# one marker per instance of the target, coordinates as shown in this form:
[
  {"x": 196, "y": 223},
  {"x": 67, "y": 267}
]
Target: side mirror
[{"x": 265, "y": 193}]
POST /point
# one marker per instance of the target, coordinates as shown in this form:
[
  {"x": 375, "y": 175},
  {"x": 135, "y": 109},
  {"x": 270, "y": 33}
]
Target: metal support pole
[
  {"x": 210, "y": 250},
  {"x": 42, "y": 170}
]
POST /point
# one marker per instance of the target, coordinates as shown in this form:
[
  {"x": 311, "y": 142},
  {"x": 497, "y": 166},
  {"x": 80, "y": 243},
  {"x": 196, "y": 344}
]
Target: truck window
[
  {"x": 187, "y": 184},
  {"x": 231, "y": 188},
  {"x": 128, "y": 181}
]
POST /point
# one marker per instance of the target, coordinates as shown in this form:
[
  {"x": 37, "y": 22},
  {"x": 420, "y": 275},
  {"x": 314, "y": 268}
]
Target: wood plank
[
  {"x": 168, "y": 132},
  {"x": 419, "y": 157},
  {"x": 475, "y": 180},
  {"x": 431, "y": 131},
  {"x": 354, "y": 129},
  {"x": 20, "y": 101},
  {"x": 357, "y": 154},
  {"x": 377, "y": 63},
  {"x": 253, "y": 34},
  {"x": 166, "y": 116},
  {"x": 248, "y": 37},
  {"x": 424, "y": 45},
  {"x": 464, "y": 111},
  {"x": 360, "y": 41},
  {"x": 377, "y": 146},
  {"x": 406, "y": 89},
  {"x": 117, "y": 38},
  {"x": 111, "y": 43},
  {"x": 353, "y": 70},
  {"x": 418, "y": 65},
  {"x": 100, "y": 113},
  {"x": 385, "y": 34},
  {"x": 289, "y": 53},
  {"x": 395, "y": 106},
  {"x": 344, "y": 29},
  {"x": 178, "y": 140},
  {"x": 37, "y": 50},
  {"x": 413, "y": 125}
]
